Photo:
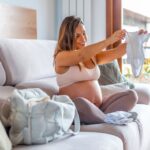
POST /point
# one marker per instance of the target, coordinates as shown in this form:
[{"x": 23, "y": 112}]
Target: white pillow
[
  {"x": 5, "y": 143},
  {"x": 2, "y": 75},
  {"x": 26, "y": 59}
]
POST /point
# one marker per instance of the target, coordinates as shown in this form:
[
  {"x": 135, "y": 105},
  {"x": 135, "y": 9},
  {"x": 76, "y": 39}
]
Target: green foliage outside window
[{"x": 145, "y": 73}]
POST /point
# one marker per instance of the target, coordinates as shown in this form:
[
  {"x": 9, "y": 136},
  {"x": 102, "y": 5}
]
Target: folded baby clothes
[
  {"x": 135, "y": 51},
  {"x": 120, "y": 117}
]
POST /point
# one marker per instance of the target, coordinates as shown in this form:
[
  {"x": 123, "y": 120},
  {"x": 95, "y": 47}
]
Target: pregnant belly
[{"x": 87, "y": 89}]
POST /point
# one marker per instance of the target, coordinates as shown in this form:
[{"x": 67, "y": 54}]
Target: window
[
  {"x": 134, "y": 18},
  {"x": 125, "y": 14}
]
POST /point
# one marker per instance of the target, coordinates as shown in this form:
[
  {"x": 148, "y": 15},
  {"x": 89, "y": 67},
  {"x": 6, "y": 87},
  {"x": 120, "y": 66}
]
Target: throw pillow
[
  {"x": 5, "y": 143},
  {"x": 110, "y": 74},
  {"x": 108, "y": 90}
]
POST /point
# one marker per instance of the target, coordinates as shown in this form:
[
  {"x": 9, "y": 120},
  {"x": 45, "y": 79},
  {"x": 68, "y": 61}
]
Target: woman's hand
[
  {"x": 118, "y": 35},
  {"x": 142, "y": 31}
]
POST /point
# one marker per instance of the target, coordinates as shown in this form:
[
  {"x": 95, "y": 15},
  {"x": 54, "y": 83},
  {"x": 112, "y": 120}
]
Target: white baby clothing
[
  {"x": 135, "y": 51},
  {"x": 124, "y": 118},
  {"x": 120, "y": 117}
]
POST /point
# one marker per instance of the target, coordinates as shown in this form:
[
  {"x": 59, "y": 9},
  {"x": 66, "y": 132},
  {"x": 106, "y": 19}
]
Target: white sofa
[{"x": 29, "y": 64}]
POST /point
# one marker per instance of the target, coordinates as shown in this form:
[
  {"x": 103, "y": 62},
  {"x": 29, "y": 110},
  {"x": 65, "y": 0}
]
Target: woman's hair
[{"x": 66, "y": 34}]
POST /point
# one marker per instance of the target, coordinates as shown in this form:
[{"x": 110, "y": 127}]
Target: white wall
[
  {"x": 92, "y": 13},
  {"x": 98, "y": 20},
  {"x": 46, "y": 17},
  {"x": 80, "y": 8}
]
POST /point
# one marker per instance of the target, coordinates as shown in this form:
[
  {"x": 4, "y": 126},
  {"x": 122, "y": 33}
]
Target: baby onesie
[{"x": 135, "y": 51}]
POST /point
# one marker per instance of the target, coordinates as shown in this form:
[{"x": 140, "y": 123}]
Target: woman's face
[{"x": 80, "y": 36}]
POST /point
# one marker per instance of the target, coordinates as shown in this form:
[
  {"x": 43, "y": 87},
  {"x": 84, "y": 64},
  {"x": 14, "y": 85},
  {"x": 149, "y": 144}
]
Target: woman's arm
[
  {"x": 109, "y": 55},
  {"x": 69, "y": 58}
]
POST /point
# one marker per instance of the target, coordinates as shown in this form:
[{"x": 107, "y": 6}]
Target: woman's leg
[
  {"x": 88, "y": 112},
  {"x": 122, "y": 101}
]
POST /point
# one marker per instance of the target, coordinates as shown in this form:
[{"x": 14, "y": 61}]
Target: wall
[
  {"x": 98, "y": 20},
  {"x": 80, "y": 8},
  {"x": 46, "y": 17}
]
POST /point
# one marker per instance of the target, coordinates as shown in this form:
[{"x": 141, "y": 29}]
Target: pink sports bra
[{"x": 75, "y": 74}]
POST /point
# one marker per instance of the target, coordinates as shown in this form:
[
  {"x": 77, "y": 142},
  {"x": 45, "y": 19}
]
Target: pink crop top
[{"x": 74, "y": 74}]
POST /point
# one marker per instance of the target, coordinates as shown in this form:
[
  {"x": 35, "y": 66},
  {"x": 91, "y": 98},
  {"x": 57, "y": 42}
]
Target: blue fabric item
[{"x": 120, "y": 117}]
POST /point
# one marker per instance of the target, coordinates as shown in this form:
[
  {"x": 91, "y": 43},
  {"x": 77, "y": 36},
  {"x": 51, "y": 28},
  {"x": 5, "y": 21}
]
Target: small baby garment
[
  {"x": 135, "y": 51},
  {"x": 120, "y": 117}
]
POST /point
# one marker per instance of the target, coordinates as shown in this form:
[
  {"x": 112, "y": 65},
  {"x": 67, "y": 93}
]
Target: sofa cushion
[
  {"x": 5, "y": 143},
  {"x": 143, "y": 92},
  {"x": 5, "y": 93},
  {"x": 4, "y": 111},
  {"x": 2, "y": 75},
  {"x": 25, "y": 60},
  {"x": 48, "y": 85},
  {"x": 82, "y": 141},
  {"x": 137, "y": 131}
]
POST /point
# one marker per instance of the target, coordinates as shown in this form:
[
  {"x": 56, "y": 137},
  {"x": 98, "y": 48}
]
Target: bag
[{"x": 37, "y": 119}]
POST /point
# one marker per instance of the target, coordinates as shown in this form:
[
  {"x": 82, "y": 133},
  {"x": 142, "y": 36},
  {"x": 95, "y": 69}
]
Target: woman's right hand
[{"x": 118, "y": 35}]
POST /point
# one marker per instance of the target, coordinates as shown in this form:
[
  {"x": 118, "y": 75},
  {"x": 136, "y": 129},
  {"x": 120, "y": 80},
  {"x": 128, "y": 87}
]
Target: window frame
[{"x": 114, "y": 20}]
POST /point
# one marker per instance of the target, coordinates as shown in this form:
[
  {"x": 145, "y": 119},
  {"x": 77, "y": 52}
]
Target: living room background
[{"x": 47, "y": 17}]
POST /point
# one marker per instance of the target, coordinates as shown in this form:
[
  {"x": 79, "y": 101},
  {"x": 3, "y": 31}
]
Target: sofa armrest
[
  {"x": 2, "y": 75},
  {"x": 5, "y": 93},
  {"x": 143, "y": 92}
]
